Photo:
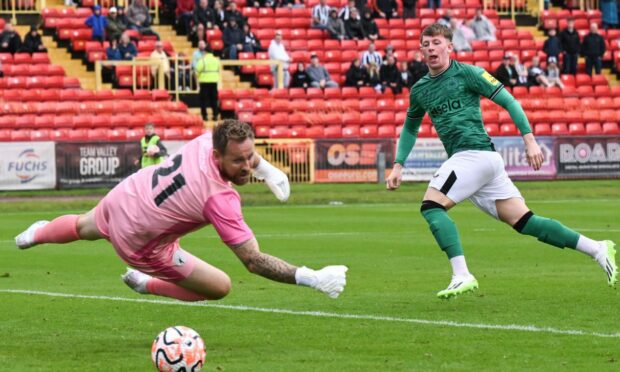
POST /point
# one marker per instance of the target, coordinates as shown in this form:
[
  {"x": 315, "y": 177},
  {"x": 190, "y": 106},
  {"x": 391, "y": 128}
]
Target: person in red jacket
[{"x": 185, "y": 13}]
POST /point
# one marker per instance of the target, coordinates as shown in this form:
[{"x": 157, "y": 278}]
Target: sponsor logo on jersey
[
  {"x": 489, "y": 78},
  {"x": 447, "y": 106}
]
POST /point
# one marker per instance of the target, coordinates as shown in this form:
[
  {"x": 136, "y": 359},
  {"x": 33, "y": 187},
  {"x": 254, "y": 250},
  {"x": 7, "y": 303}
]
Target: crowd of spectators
[{"x": 11, "y": 42}]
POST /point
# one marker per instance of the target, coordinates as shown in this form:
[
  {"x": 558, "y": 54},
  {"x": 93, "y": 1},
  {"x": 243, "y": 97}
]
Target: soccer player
[
  {"x": 145, "y": 216},
  {"x": 450, "y": 94}
]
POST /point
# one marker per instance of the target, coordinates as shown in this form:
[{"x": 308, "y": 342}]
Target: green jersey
[{"x": 452, "y": 100}]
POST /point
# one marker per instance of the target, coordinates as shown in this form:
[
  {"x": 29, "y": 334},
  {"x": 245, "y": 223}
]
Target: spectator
[
  {"x": 483, "y": 27},
  {"x": 127, "y": 49},
  {"x": 552, "y": 46},
  {"x": 356, "y": 74},
  {"x": 199, "y": 53},
  {"x": 9, "y": 39},
  {"x": 506, "y": 73},
  {"x": 372, "y": 77},
  {"x": 233, "y": 39},
  {"x": 320, "y": 15},
  {"x": 122, "y": 17},
  {"x": 335, "y": 26},
  {"x": 98, "y": 23},
  {"x": 388, "y": 52},
  {"x": 446, "y": 18},
  {"x": 185, "y": 70},
  {"x": 208, "y": 72},
  {"x": 204, "y": 16},
  {"x": 354, "y": 27},
  {"x": 113, "y": 53},
  {"x": 301, "y": 79},
  {"x": 406, "y": 79},
  {"x": 460, "y": 36},
  {"x": 569, "y": 41},
  {"x": 390, "y": 76},
  {"x": 553, "y": 72},
  {"x": 220, "y": 14},
  {"x": 278, "y": 52},
  {"x": 409, "y": 8},
  {"x": 522, "y": 72},
  {"x": 289, "y": 4},
  {"x": 537, "y": 74},
  {"x": 370, "y": 26},
  {"x": 233, "y": 13},
  {"x": 387, "y": 9},
  {"x": 153, "y": 151},
  {"x": 345, "y": 11},
  {"x": 319, "y": 76},
  {"x": 250, "y": 43},
  {"x": 593, "y": 48},
  {"x": 159, "y": 55},
  {"x": 434, "y": 4},
  {"x": 371, "y": 55},
  {"x": 116, "y": 27},
  {"x": 609, "y": 11},
  {"x": 184, "y": 13},
  {"x": 140, "y": 19},
  {"x": 417, "y": 67},
  {"x": 32, "y": 42}
]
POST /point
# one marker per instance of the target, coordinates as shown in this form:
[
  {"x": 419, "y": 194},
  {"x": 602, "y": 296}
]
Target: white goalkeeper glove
[
  {"x": 329, "y": 280},
  {"x": 275, "y": 179}
]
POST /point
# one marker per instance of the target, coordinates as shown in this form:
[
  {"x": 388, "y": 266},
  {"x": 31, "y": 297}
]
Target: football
[
  {"x": 152, "y": 150},
  {"x": 178, "y": 348}
]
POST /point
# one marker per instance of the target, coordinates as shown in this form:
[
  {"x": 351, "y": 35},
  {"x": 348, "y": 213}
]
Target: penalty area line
[{"x": 321, "y": 314}]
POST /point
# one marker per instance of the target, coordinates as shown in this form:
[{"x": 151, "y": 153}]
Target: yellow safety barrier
[
  {"x": 294, "y": 156},
  {"x": 15, "y": 7}
]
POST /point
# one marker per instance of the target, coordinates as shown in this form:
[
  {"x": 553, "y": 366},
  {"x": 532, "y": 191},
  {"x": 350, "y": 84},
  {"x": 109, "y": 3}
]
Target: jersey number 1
[{"x": 178, "y": 181}]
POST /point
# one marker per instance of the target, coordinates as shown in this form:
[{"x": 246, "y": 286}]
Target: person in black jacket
[
  {"x": 506, "y": 73},
  {"x": 593, "y": 48},
  {"x": 233, "y": 39},
  {"x": 417, "y": 67},
  {"x": 301, "y": 79},
  {"x": 32, "y": 42},
  {"x": 9, "y": 39},
  {"x": 390, "y": 76},
  {"x": 353, "y": 26},
  {"x": 406, "y": 79},
  {"x": 409, "y": 8},
  {"x": 552, "y": 46},
  {"x": 369, "y": 25},
  {"x": 570, "y": 44},
  {"x": 356, "y": 74},
  {"x": 232, "y": 12}
]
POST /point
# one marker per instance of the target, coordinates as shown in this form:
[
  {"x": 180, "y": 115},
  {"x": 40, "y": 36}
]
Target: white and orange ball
[
  {"x": 178, "y": 348},
  {"x": 151, "y": 150}
]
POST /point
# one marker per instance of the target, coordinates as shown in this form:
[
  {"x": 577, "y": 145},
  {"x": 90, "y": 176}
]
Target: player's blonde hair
[
  {"x": 437, "y": 29},
  {"x": 230, "y": 130}
]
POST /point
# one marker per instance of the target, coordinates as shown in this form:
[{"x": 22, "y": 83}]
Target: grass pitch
[{"x": 538, "y": 307}]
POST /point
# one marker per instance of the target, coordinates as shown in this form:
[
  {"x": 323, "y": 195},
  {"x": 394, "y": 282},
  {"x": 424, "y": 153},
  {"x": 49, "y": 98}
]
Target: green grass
[{"x": 395, "y": 271}]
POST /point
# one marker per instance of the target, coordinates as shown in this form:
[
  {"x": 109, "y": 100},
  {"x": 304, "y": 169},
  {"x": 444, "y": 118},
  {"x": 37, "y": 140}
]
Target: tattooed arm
[{"x": 263, "y": 264}]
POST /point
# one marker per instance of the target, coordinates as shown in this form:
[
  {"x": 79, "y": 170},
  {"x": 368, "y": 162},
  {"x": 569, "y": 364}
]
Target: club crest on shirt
[{"x": 489, "y": 78}]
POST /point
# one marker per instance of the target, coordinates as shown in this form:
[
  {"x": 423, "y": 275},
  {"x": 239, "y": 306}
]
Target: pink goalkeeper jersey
[{"x": 157, "y": 205}]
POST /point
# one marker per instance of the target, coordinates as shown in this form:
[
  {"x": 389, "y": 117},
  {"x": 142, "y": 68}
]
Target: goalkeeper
[{"x": 450, "y": 94}]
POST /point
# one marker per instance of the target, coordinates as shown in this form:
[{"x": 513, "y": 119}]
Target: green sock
[
  {"x": 549, "y": 231},
  {"x": 444, "y": 230}
]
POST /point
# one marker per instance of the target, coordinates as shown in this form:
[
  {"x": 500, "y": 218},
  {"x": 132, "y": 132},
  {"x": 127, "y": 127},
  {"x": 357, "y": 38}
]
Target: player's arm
[
  {"x": 509, "y": 103},
  {"x": 407, "y": 139},
  {"x": 276, "y": 180},
  {"x": 329, "y": 280}
]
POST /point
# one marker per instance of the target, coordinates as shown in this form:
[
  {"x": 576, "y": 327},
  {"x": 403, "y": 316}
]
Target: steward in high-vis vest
[
  {"x": 153, "y": 151},
  {"x": 208, "y": 72}
]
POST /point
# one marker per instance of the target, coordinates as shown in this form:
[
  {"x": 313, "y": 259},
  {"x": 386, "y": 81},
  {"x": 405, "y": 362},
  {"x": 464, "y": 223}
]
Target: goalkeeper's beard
[{"x": 240, "y": 178}]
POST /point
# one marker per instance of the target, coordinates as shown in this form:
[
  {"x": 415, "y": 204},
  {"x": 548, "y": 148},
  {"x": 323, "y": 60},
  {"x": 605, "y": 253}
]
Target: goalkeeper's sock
[
  {"x": 590, "y": 247},
  {"x": 547, "y": 231},
  {"x": 163, "y": 288},
  {"x": 459, "y": 266},
  {"x": 60, "y": 230},
  {"x": 443, "y": 228}
]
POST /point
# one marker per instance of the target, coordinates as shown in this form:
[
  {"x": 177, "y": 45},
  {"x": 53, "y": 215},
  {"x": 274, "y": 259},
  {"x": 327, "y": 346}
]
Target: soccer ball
[
  {"x": 152, "y": 150},
  {"x": 178, "y": 349}
]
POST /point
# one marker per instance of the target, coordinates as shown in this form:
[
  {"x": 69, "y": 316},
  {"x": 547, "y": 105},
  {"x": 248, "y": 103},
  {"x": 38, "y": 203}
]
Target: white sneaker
[
  {"x": 136, "y": 280},
  {"x": 25, "y": 240},
  {"x": 459, "y": 285}
]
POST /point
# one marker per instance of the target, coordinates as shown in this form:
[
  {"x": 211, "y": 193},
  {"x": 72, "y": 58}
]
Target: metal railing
[
  {"x": 145, "y": 73},
  {"x": 15, "y": 7},
  {"x": 293, "y": 156},
  {"x": 248, "y": 62},
  {"x": 513, "y": 7}
]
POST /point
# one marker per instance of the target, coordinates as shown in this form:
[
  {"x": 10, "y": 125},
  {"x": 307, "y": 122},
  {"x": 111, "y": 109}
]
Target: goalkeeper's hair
[
  {"x": 437, "y": 29},
  {"x": 230, "y": 130}
]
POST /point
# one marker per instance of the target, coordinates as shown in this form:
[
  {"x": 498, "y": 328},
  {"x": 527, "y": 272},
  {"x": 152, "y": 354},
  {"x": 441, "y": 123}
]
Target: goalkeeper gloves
[
  {"x": 329, "y": 280},
  {"x": 275, "y": 179}
]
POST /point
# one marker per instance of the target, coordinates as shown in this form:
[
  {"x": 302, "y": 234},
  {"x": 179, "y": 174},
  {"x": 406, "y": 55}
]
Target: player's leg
[
  {"x": 193, "y": 280},
  {"x": 515, "y": 212},
  {"x": 63, "y": 229}
]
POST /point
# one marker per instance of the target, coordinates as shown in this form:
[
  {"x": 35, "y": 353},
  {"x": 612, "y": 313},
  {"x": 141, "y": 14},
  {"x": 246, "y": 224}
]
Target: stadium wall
[{"x": 49, "y": 165}]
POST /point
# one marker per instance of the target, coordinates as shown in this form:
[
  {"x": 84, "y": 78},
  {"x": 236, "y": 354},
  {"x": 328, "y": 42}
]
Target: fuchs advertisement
[
  {"x": 588, "y": 157},
  {"x": 351, "y": 160},
  {"x": 27, "y": 166},
  {"x": 95, "y": 164}
]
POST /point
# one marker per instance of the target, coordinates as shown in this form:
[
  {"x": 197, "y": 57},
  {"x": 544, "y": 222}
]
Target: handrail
[
  {"x": 246, "y": 62},
  {"x": 134, "y": 63}
]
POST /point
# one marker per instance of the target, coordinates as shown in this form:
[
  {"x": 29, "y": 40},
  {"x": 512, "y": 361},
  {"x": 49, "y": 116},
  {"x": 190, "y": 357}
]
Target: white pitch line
[{"x": 321, "y": 314}]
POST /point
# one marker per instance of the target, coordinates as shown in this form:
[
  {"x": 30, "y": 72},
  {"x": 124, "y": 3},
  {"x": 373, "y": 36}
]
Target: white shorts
[{"x": 475, "y": 175}]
